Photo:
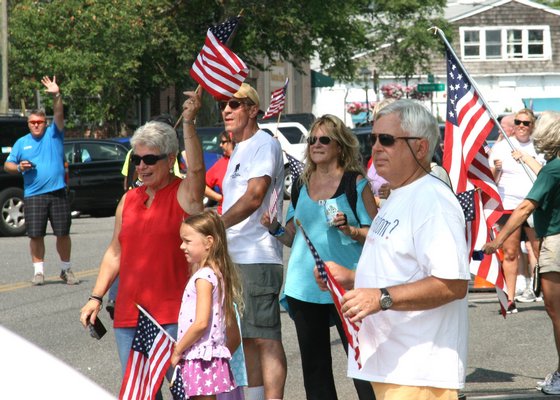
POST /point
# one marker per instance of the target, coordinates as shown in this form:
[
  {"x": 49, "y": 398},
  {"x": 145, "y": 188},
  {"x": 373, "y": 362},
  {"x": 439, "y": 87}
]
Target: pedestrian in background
[
  {"x": 544, "y": 201},
  {"x": 513, "y": 185},
  {"x": 215, "y": 174},
  {"x": 39, "y": 157}
]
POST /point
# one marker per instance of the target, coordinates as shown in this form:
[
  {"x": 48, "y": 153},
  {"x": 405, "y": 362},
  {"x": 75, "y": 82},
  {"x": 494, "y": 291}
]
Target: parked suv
[{"x": 292, "y": 137}]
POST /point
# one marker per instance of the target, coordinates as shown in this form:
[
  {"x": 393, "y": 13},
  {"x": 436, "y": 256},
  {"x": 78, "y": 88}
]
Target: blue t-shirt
[
  {"x": 47, "y": 154},
  {"x": 330, "y": 242}
]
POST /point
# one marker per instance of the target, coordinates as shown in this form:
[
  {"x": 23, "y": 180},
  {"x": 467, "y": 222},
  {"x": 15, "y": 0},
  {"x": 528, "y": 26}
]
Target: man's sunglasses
[
  {"x": 233, "y": 104},
  {"x": 322, "y": 139},
  {"x": 519, "y": 122},
  {"x": 38, "y": 122},
  {"x": 149, "y": 159},
  {"x": 224, "y": 141},
  {"x": 387, "y": 140}
]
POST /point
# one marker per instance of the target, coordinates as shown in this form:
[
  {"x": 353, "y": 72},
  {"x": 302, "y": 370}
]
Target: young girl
[{"x": 207, "y": 308}]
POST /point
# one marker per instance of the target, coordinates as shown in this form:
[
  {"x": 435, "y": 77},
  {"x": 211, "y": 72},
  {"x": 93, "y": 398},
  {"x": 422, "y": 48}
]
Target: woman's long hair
[
  {"x": 349, "y": 158},
  {"x": 208, "y": 223}
]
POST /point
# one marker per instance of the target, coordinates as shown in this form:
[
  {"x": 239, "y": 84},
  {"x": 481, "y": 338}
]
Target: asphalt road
[{"x": 506, "y": 356}]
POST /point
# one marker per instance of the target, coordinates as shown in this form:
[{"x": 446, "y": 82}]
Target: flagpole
[
  {"x": 277, "y": 124},
  {"x": 156, "y": 323},
  {"x": 473, "y": 83}
]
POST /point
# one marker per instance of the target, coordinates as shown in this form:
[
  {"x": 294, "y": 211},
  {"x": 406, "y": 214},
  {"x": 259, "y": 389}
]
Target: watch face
[{"x": 386, "y": 302}]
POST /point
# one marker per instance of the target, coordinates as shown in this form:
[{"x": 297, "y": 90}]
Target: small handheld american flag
[{"x": 350, "y": 328}]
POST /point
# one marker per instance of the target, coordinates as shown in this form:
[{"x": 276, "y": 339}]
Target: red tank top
[{"x": 153, "y": 269}]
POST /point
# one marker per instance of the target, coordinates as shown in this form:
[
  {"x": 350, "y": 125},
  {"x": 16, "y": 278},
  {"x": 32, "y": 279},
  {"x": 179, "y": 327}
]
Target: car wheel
[
  {"x": 287, "y": 183},
  {"x": 12, "y": 221}
]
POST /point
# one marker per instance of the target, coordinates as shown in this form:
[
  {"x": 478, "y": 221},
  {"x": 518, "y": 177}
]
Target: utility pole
[{"x": 4, "y": 56}]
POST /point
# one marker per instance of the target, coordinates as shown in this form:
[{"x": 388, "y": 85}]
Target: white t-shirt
[
  {"x": 419, "y": 232},
  {"x": 249, "y": 241},
  {"x": 514, "y": 183}
]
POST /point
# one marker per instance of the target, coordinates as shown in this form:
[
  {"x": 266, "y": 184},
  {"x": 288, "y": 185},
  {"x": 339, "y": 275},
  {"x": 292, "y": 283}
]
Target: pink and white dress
[{"x": 205, "y": 365}]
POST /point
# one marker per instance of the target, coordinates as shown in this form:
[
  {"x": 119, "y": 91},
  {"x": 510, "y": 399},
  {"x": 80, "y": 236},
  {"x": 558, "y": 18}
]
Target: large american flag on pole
[
  {"x": 350, "y": 328},
  {"x": 465, "y": 157},
  {"x": 218, "y": 69},
  {"x": 148, "y": 360},
  {"x": 277, "y": 101}
]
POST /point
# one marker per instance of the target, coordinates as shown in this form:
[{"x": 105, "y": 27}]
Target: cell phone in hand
[{"x": 97, "y": 330}]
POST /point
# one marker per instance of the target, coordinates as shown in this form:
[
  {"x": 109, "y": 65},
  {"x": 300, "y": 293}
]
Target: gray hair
[
  {"x": 546, "y": 136},
  {"x": 157, "y": 135},
  {"x": 416, "y": 120}
]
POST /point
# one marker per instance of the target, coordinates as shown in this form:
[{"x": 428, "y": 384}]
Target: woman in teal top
[
  {"x": 544, "y": 200},
  {"x": 335, "y": 206}
]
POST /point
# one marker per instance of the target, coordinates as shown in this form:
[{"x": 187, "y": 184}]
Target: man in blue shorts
[{"x": 39, "y": 157}]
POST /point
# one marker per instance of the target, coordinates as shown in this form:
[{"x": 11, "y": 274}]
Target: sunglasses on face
[
  {"x": 224, "y": 141},
  {"x": 38, "y": 122},
  {"x": 387, "y": 140},
  {"x": 233, "y": 104},
  {"x": 519, "y": 122},
  {"x": 149, "y": 159},
  {"x": 322, "y": 139}
]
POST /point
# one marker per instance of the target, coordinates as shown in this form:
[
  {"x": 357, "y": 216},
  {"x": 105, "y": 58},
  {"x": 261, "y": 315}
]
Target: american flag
[
  {"x": 218, "y": 69},
  {"x": 466, "y": 200},
  {"x": 465, "y": 158},
  {"x": 296, "y": 167},
  {"x": 350, "y": 328},
  {"x": 277, "y": 101},
  {"x": 273, "y": 207},
  {"x": 148, "y": 360},
  {"x": 177, "y": 387}
]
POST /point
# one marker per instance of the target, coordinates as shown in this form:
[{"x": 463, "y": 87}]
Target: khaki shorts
[
  {"x": 389, "y": 391},
  {"x": 549, "y": 256},
  {"x": 261, "y": 287}
]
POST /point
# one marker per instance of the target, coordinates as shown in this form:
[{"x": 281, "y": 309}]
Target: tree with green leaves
[
  {"x": 111, "y": 52},
  {"x": 401, "y": 38}
]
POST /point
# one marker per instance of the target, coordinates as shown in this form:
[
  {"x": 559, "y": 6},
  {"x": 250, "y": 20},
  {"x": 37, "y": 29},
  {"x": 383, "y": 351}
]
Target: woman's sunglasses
[
  {"x": 149, "y": 159},
  {"x": 233, "y": 104},
  {"x": 322, "y": 139},
  {"x": 387, "y": 140},
  {"x": 519, "y": 122}
]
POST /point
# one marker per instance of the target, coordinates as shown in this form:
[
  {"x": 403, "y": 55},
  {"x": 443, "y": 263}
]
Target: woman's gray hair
[
  {"x": 157, "y": 135},
  {"x": 546, "y": 135},
  {"x": 416, "y": 120}
]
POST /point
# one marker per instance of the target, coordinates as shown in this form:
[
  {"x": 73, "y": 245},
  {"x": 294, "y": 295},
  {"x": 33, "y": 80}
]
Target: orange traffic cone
[{"x": 481, "y": 283}]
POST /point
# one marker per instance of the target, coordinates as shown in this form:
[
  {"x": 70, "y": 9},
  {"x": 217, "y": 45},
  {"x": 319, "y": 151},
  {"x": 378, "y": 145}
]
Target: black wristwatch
[{"x": 385, "y": 301}]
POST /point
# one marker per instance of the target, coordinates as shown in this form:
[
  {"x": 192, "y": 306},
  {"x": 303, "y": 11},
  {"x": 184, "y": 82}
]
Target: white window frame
[{"x": 547, "y": 47}]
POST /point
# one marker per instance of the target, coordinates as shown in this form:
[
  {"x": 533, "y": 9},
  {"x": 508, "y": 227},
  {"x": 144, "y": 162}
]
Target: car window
[
  {"x": 91, "y": 152},
  {"x": 292, "y": 133}
]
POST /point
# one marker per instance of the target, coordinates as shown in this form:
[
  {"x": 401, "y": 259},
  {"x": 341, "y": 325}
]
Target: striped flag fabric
[
  {"x": 465, "y": 157},
  {"x": 277, "y": 101},
  {"x": 218, "y": 69},
  {"x": 351, "y": 329},
  {"x": 148, "y": 360},
  {"x": 273, "y": 206}
]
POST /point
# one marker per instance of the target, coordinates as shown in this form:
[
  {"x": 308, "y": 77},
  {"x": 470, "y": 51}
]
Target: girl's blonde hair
[
  {"x": 349, "y": 158},
  {"x": 208, "y": 223}
]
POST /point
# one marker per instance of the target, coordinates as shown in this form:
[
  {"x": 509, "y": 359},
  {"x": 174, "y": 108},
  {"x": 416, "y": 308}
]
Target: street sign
[{"x": 431, "y": 87}]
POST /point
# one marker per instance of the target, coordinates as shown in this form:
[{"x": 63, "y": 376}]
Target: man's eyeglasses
[
  {"x": 519, "y": 122},
  {"x": 37, "y": 122},
  {"x": 149, "y": 159},
  {"x": 233, "y": 104},
  {"x": 387, "y": 140},
  {"x": 322, "y": 139}
]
